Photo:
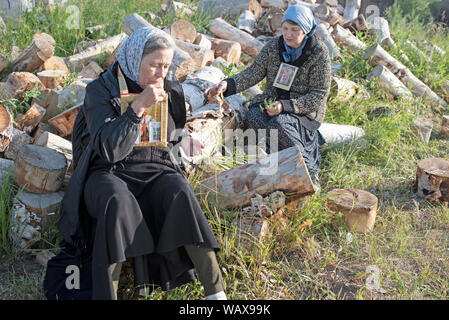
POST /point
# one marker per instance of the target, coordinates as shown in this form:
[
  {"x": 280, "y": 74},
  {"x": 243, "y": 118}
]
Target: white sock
[{"x": 217, "y": 296}]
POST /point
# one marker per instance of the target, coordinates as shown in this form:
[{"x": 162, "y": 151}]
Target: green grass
[{"x": 312, "y": 255}]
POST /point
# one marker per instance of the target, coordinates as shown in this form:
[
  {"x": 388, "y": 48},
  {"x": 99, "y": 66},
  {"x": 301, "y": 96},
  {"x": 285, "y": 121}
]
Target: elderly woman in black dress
[
  {"x": 126, "y": 201},
  {"x": 297, "y": 109}
]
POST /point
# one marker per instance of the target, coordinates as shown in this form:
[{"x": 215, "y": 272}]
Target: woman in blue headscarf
[
  {"x": 133, "y": 202},
  {"x": 298, "y": 101}
]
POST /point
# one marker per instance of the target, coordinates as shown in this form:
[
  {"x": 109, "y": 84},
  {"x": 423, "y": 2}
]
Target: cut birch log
[
  {"x": 352, "y": 8},
  {"x": 422, "y": 129},
  {"x": 331, "y": 3},
  {"x": 432, "y": 179},
  {"x": 275, "y": 16},
  {"x": 200, "y": 55},
  {"x": 358, "y": 206},
  {"x": 4, "y": 63},
  {"x": 182, "y": 63},
  {"x": 49, "y": 101},
  {"x": 431, "y": 48},
  {"x": 79, "y": 60},
  {"x": 63, "y": 122},
  {"x": 284, "y": 171},
  {"x": 377, "y": 55},
  {"x": 39, "y": 169},
  {"x": 3, "y": 28},
  {"x": 202, "y": 41},
  {"x": 344, "y": 37},
  {"x": 335, "y": 18},
  {"x": 41, "y": 128},
  {"x": 246, "y": 22},
  {"x": 228, "y": 50},
  {"x": 19, "y": 139},
  {"x": 230, "y": 8},
  {"x": 343, "y": 89},
  {"x": 32, "y": 58},
  {"x": 445, "y": 127},
  {"x": 389, "y": 81},
  {"x": 280, "y": 4},
  {"x": 183, "y": 30},
  {"x": 224, "y": 30},
  {"x": 421, "y": 55},
  {"x": 52, "y": 79},
  {"x": 31, "y": 118},
  {"x": 381, "y": 31},
  {"x": 55, "y": 63},
  {"x": 357, "y": 24},
  {"x": 19, "y": 82},
  {"x": 57, "y": 143},
  {"x": 91, "y": 71},
  {"x": 325, "y": 36},
  {"x": 6, "y": 128}
]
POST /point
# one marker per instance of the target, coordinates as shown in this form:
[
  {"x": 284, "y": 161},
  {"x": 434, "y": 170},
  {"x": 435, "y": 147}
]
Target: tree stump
[
  {"x": 55, "y": 142},
  {"x": 445, "y": 127},
  {"x": 41, "y": 204},
  {"x": 432, "y": 179},
  {"x": 63, "y": 122},
  {"x": 224, "y": 30},
  {"x": 183, "y": 30},
  {"x": 358, "y": 206},
  {"x": 389, "y": 81},
  {"x": 377, "y": 55},
  {"x": 422, "y": 129},
  {"x": 36, "y": 54},
  {"x": 6, "y": 128},
  {"x": 228, "y": 50},
  {"x": 51, "y": 79},
  {"x": 39, "y": 169}
]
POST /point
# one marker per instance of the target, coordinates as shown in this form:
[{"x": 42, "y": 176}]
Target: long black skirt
[
  {"x": 148, "y": 213},
  {"x": 290, "y": 133}
]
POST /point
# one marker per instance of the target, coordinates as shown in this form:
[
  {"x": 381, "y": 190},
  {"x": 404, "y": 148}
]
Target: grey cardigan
[{"x": 308, "y": 94}]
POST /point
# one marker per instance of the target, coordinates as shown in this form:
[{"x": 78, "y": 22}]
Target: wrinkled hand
[
  {"x": 216, "y": 89},
  {"x": 275, "y": 111},
  {"x": 151, "y": 95},
  {"x": 191, "y": 146}
]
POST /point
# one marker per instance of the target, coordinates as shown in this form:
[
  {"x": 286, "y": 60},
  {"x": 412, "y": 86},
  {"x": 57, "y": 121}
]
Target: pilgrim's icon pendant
[
  {"x": 285, "y": 76},
  {"x": 153, "y": 127}
]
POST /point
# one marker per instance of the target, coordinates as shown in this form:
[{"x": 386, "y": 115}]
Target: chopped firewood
[
  {"x": 55, "y": 63},
  {"x": 247, "y": 21},
  {"x": 55, "y": 142},
  {"x": 41, "y": 49},
  {"x": 91, "y": 71},
  {"x": 20, "y": 82},
  {"x": 63, "y": 122},
  {"x": 202, "y": 41},
  {"x": 228, "y": 50},
  {"x": 200, "y": 55},
  {"x": 352, "y": 8},
  {"x": 432, "y": 179},
  {"x": 183, "y": 30},
  {"x": 31, "y": 118},
  {"x": 52, "y": 79},
  {"x": 6, "y": 128},
  {"x": 344, "y": 37},
  {"x": 389, "y": 81}
]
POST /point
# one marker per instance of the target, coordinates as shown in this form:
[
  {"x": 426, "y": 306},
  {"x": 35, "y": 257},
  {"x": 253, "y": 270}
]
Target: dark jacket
[
  {"x": 100, "y": 130},
  {"x": 308, "y": 95}
]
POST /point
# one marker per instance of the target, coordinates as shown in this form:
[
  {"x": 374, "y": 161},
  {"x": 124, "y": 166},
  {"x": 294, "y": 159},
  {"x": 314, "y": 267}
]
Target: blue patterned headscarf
[
  {"x": 303, "y": 17},
  {"x": 129, "y": 55}
]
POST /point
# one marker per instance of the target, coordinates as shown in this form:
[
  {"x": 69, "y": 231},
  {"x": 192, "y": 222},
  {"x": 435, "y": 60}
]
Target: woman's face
[
  {"x": 154, "y": 67},
  {"x": 293, "y": 34}
]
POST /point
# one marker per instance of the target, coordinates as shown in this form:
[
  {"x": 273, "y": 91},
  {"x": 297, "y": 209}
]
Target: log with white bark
[
  {"x": 182, "y": 63},
  {"x": 52, "y": 79},
  {"x": 202, "y": 41},
  {"x": 331, "y": 3},
  {"x": 18, "y": 140},
  {"x": 284, "y": 171},
  {"x": 275, "y": 16},
  {"x": 200, "y": 55},
  {"x": 55, "y": 142},
  {"x": 380, "y": 29},
  {"x": 41, "y": 49},
  {"x": 228, "y": 50},
  {"x": 224, "y": 30},
  {"x": 280, "y": 4},
  {"x": 246, "y": 21},
  {"x": 422, "y": 129},
  {"x": 6, "y": 127},
  {"x": 431, "y": 48},
  {"x": 4, "y": 63},
  {"x": 358, "y": 206},
  {"x": 18, "y": 83},
  {"x": 79, "y": 60},
  {"x": 389, "y": 81},
  {"x": 230, "y": 8},
  {"x": 39, "y": 169},
  {"x": 91, "y": 71},
  {"x": 177, "y": 9},
  {"x": 64, "y": 121},
  {"x": 307, "y": 4},
  {"x": 183, "y": 30},
  {"x": 31, "y": 118},
  {"x": 417, "y": 51},
  {"x": 352, "y": 8},
  {"x": 357, "y": 24},
  {"x": 324, "y": 35},
  {"x": 343, "y": 89},
  {"x": 377, "y": 55},
  {"x": 55, "y": 63},
  {"x": 344, "y": 37},
  {"x": 445, "y": 127},
  {"x": 432, "y": 179}
]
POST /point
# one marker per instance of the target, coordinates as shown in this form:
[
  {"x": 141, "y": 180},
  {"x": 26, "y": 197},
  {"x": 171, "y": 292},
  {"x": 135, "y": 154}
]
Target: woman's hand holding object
[
  {"x": 218, "y": 88},
  {"x": 275, "y": 111},
  {"x": 151, "y": 95}
]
